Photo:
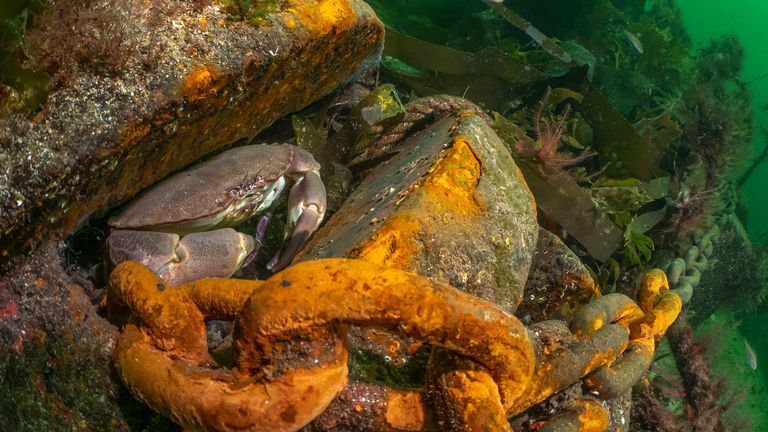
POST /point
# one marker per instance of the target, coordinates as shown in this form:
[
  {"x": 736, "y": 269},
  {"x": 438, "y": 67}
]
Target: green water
[
  {"x": 746, "y": 19},
  {"x": 706, "y": 20}
]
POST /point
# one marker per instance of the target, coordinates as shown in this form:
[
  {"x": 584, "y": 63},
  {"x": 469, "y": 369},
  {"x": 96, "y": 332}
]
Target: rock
[
  {"x": 451, "y": 205},
  {"x": 558, "y": 283},
  {"x": 101, "y": 139},
  {"x": 56, "y": 354}
]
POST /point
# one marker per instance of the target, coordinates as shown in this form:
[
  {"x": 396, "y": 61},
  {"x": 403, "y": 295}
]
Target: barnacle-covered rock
[{"x": 101, "y": 139}]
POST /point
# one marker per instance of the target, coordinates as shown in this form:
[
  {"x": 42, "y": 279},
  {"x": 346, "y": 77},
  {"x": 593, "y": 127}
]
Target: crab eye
[{"x": 235, "y": 193}]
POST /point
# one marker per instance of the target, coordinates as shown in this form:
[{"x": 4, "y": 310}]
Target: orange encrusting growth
[
  {"x": 470, "y": 398},
  {"x": 163, "y": 359},
  {"x": 593, "y": 417},
  {"x": 447, "y": 188},
  {"x": 454, "y": 178},
  {"x": 200, "y": 83},
  {"x": 661, "y": 308},
  {"x": 586, "y": 415},
  {"x": 405, "y": 411},
  {"x": 394, "y": 244},
  {"x": 314, "y": 294},
  {"x": 321, "y": 16}
]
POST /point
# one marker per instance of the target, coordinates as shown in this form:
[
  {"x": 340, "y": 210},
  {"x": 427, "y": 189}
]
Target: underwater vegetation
[
  {"x": 546, "y": 150},
  {"x": 717, "y": 131},
  {"x": 43, "y": 43},
  {"x": 21, "y": 89}
]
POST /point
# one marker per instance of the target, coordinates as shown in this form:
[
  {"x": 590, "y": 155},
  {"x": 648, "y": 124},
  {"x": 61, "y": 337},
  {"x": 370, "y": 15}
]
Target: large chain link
[{"x": 290, "y": 339}]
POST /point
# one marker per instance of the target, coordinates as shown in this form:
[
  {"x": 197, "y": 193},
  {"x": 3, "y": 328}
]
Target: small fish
[
  {"x": 635, "y": 41},
  {"x": 751, "y": 357}
]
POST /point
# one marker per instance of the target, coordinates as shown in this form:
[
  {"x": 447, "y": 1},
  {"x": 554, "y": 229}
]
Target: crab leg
[
  {"x": 306, "y": 208},
  {"x": 217, "y": 253}
]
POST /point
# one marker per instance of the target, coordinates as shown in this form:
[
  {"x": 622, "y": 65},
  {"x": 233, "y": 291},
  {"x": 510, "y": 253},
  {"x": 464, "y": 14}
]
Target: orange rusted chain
[
  {"x": 614, "y": 380},
  {"x": 299, "y": 317},
  {"x": 570, "y": 363},
  {"x": 163, "y": 359},
  {"x": 313, "y": 294},
  {"x": 369, "y": 406},
  {"x": 601, "y": 329},
  {"x": 587, "y": 415},
  {"x": 610, "y": 308},
  {"x": 464, "y": 395},
  {"x": 654, "y": 282},
  {"x": 657, "y": 320},
  {"x": 175, "y": 316},
  {"x": 661, "y": 308},
  {"x": 608, "y": 328},
  {"x": 303, "y": 310}
]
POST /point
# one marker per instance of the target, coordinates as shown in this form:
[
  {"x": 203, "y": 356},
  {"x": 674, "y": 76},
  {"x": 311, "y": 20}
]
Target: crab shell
[{"x": 223, "y": 192}]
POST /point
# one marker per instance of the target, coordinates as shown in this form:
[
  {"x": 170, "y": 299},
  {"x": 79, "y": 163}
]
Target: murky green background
[{"x": 709, "y": 19}]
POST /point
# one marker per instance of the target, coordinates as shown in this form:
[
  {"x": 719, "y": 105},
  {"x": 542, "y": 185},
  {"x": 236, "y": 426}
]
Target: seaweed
[
  {"x": 94, "y": 34},
  {"x": 546, "y": 150},
  {"x": 534, "y": 33},
  {"x": 622, "y": 150},
  {"x": 563, "y": 200},
  {"x": 255, "y": 12},
  {"x": 638, "y": 247},
  {"x": 489, "y": 77},
  {"x": 21, "y": 89}
]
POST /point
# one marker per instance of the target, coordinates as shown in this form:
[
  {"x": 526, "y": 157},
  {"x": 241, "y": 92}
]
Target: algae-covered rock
[
  {"x": 451, "y": 205},
  {"x": 55, "y": 354},
  {"x": 100, "y": 138}
]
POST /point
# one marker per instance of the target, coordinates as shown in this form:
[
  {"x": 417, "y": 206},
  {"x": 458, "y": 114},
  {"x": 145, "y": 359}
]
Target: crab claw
[
  {"x": 306, "y": 208},
  {"x": 217, "y": 253}
]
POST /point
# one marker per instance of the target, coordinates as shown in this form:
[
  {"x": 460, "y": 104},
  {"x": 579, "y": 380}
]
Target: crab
[{"x": 181, "y": 227}]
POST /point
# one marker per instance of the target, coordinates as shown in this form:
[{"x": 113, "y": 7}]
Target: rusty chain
[
  {"x": 290, "y": 344},
  {"x": 685, "y": 271},
  {"x": 169, "y": 333}
]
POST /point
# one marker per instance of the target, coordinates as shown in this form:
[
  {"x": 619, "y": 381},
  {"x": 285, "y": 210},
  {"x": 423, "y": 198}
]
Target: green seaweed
[
  {"x": 638, "y": 247},
  {"x": 381, "y": 106},
  {"x": 255, "y": 12},
  {"x": 25, "y": 88},
  {"x": 371, "y": 367},
  {"x": 621, "y": 149},
  {"x": 549, "y": 45}
]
